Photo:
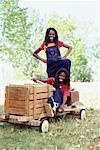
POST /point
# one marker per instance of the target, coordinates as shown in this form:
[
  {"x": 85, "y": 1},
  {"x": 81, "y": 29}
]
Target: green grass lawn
[{"x": 69, "y": 133}]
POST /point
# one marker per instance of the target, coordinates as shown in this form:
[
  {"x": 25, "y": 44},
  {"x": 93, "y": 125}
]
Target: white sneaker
[{"x": 56, "y": 105}]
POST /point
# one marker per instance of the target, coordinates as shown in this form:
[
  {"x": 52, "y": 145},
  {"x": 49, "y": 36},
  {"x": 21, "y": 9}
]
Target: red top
[
  {"x": 65, "y": 90},
  {"x": 43, "y": 46}
]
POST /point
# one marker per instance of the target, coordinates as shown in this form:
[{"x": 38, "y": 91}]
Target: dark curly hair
[
  {"x": 46, "y": 41},
  {"x": 66, "y": 81}
]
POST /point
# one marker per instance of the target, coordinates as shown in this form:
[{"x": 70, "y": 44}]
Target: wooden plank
[
  {"x": 20, "y": 90},
  {"x": 30, "y": 96},
  {"x": 27, "y": 104},
  {"x": 30, "y": 113},
  {"x": 16, "y": 85},
  {"x": 40, "y": 111},
  {"x": 31, "y": 104},
  {"x": 6, "y": 100},
  {"x": 74, "y": 96},
  {"x": 40, "y": 103},
  {"x": 41, "y": 95},
  {"x": 50, "y": 87},
  {"x": 50, "y": 90},
  {"x": 16, "y": 111},
  {"x": 41, "y": 89},
  {"x": 34, "y": 102},
  {"x": 30, "y": 88},
  {"x": 17, "y": 94},
  {"x": 30, "y": 123},
  {"x": 40, "y": 116},
  {"x": 17, "y": 97},
  {"x": 21, "y": 118},
  {"x": 17, "y": 104}
]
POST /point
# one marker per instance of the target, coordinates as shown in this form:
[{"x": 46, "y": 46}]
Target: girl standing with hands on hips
[{"x": 52, "y": 46}]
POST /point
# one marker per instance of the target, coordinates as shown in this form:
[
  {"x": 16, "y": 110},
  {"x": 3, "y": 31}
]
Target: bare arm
[
  {"x": 69, "y": 49},
  {"x": 64, "y": 100},
  {"x": 38, "y": 80},
  {"x": 63, "y": 103},
  {"x": 35, "y": 54}
]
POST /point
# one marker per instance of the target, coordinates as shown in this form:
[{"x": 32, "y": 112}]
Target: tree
[
  {"x": 17, "y": 36},
  {"x": 20, "y": 36}
]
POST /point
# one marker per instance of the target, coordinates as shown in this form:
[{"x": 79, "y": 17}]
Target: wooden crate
[
  {"x": 26, "y": 100},
  {"x": 74, "y": 96}
]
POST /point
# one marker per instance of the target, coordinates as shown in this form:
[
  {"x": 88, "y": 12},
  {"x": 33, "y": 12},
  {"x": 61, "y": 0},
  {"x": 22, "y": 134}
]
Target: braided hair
[
  {"x": 46, "y": 41},
  {"x": 66, "y": 81}
]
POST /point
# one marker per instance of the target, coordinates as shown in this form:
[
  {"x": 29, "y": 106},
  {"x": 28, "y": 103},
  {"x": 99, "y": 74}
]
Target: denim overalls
[{"x": 54, "y": 61}]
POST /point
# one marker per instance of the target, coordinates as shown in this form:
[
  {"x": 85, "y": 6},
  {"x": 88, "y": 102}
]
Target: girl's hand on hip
[
  {"x": 63, "y": 58},
  {"x": 43, "y": 60}
]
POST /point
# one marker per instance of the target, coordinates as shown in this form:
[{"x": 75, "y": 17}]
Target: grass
[{"x": 69, "y": 133}]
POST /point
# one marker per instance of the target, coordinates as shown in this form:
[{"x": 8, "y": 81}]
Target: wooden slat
[
  {"x": 21, "y": 118},
  {"x": 41, "y": 89},
  {"x": 31, "y": 122},
  {"x": 30, "y": 96},
  {"x": 6, "y": 100},
  {"x": 27, "y": 104},
  {"x": 17, "y": 104},
  {"x": 17, "y": 93},
  {"x": 41, "y": 95},
  {"x": 16, "y": 111},
  {"x": 31, "y": 89},
  {"x": 31, "y": 104},
  {"x": 39, "y": 111},
  {"x": 30, "y": 113},
  {"x": 16, "y": 85},
  {"x": 39, "y": 116},
  {"x": 34, "y": 102},
  {"x": 74, "y": 96},
  {"x": 17, "y": 97},
  {"x": 40, "y": 103},
  {"x": 50, "y": 87},
  {"x": 20, "y": 90}
]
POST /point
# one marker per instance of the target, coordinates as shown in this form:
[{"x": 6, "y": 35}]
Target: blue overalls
[
  {"x": 54, "y": 61},
  {"x": 56, "y": 98}
]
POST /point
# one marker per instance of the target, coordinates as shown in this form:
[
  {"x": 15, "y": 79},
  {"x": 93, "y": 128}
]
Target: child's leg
[
  {"x": 51, "y": 69},
  {"x": 57, "y": 96},
  {"x": 66, "y": 63},
  {"x": 51, "y": 101},
  {"x": 56, "y": 100}
]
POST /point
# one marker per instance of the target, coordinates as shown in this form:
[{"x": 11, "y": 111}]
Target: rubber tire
[
  {"x": 44, "y": 126},
  {"x": 82, "y": 114}
]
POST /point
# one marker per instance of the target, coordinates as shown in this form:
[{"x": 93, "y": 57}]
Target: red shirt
[
  {"x": 43, "y": 46},
  {"x": 65, "y": 90}
]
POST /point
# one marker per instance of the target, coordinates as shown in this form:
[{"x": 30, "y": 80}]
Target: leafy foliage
[
  {"x": 17, "y": 36},
  {"x": 21, "y": 35}
]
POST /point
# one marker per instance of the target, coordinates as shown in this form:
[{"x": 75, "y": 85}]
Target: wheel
[
  {"x": 44, "y": 126},
  {"x": 83, "y": 114}
]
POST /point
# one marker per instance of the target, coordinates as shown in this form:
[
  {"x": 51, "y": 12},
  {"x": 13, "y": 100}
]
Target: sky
[{"x": 80, "y": 10}]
